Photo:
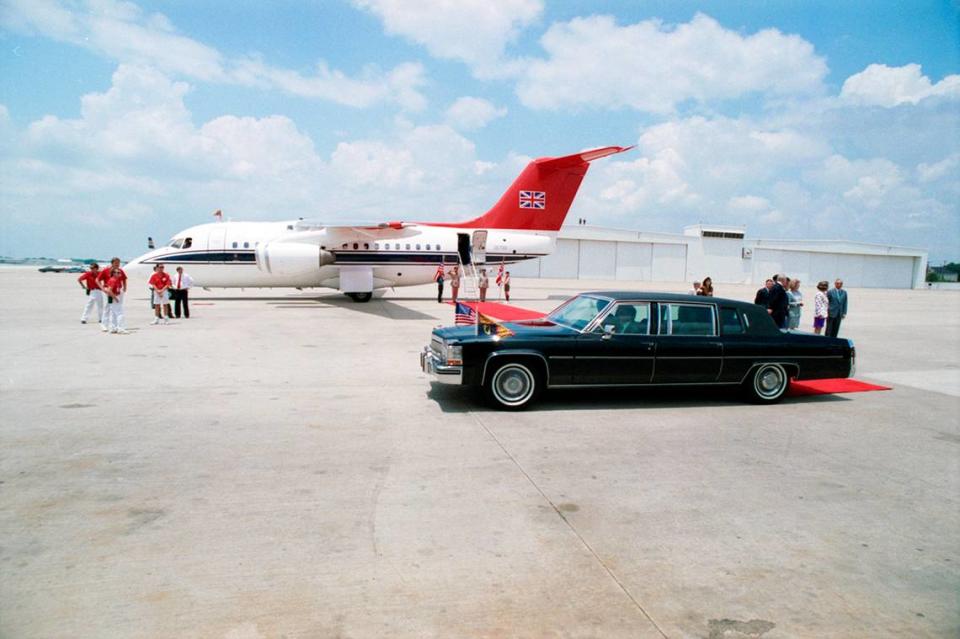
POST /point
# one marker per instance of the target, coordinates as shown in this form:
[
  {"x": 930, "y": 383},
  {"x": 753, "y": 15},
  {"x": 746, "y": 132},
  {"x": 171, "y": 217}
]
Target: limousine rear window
[
  {"x": 686, "y": 319},
  {"x": 730, "y": 322}
]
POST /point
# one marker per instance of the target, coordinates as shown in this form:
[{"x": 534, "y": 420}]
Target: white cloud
[
  {"x": 651, "y": 67},
  {"x": 473, "y": 113},
  {"x": 123, "y": 32},
  {"x": 949, "y": 166},
  {"x": 472, "y": 31},
  {"x": 880, "y": 85}
]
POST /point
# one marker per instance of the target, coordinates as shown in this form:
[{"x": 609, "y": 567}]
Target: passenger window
[
  {"x": 356, "y": 245},
  {"x": 428, "y": 247},
  {"x": 627, "y": 318},
  {"x": 686, "y": 319},
  {"x": 730, "y": 323},
  {"x": 408, "y": 247},
  {"x": 376, "y": 246},
  {"x": 418, "y": 247},
  {"x": 396, "y": 247},
  {"x": 246, "y": 245},
  {"x": 234, "y": 245},
  {"x": 366, "y": 246}
]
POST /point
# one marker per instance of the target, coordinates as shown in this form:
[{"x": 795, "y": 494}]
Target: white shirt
[{"x": 185, "y": 281}]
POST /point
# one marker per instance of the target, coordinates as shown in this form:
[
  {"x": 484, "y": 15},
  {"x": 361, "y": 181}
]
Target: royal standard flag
[{"x": 489, "y": 326}]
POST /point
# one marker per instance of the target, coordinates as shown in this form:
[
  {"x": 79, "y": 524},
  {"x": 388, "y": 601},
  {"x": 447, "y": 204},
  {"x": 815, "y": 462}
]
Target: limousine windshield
[{"x": 579, "y": 311}]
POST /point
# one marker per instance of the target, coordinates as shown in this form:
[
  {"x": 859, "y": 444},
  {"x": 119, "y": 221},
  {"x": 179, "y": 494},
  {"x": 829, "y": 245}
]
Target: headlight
[{"x": 453, "y": 354}]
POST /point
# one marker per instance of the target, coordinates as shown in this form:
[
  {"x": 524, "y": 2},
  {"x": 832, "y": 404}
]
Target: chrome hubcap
[
  {"x": 513, "y": 384},
  {"x": 770, "y": 382}
]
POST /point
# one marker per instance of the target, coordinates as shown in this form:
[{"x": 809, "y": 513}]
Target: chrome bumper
[{"x": 432, "y": 366}]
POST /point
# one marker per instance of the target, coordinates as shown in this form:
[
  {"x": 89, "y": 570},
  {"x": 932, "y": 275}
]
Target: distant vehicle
[
  {"x": 62, "y": 269},
  {"x": 613, "y": 339},
  {"x": 358, "y": 259}
]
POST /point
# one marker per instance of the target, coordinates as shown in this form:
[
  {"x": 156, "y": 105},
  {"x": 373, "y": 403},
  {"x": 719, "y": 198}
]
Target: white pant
[
  {"x": 113, "y": 319},
  {"x": 95, "y": 298}
]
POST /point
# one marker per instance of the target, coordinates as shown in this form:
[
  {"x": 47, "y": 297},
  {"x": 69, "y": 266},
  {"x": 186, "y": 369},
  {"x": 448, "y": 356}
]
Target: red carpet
[
  {"x": 503, "y": 312},
  {"x": 830, "y": 386}
]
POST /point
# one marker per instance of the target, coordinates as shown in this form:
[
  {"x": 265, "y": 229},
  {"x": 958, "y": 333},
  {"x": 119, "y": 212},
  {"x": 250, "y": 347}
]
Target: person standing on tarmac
[
  {"x": 88, "y": 282},
  {"x": 115, "y": 294},
  {"x": 105, "y": 274},
  {"x": 181, "y": 293},
  {"x": 159, "y": 283}
]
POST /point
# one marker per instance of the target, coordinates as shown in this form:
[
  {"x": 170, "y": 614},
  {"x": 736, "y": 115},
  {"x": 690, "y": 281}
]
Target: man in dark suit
[
  {"x": 778, "y": 304},
  {"x": 763, "y": 295},
  {"x": 838, "y": 308}
]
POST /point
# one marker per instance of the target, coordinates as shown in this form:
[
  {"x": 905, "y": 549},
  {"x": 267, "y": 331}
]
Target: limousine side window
[
  {"x": 627, "y": 318},
  {"x": 686, "y": 319},
  {"x": 730, "y": 322}
]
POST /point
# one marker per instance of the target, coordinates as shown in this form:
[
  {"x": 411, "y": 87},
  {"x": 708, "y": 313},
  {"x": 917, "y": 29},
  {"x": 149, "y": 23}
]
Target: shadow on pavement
[{"x": 459, "y": 399}]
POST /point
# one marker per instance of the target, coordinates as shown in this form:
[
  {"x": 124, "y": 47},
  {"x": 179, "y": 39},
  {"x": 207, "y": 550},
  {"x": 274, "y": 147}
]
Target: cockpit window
[
  {"x": 579, "y": 311},
  {"x": 187, "y": 243},
  {"x": 176, "y": 243}
]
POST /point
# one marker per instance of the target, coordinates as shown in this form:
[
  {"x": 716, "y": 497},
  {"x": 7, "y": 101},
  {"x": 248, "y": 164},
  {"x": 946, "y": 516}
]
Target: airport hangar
[{"x": 724, "y": 254}]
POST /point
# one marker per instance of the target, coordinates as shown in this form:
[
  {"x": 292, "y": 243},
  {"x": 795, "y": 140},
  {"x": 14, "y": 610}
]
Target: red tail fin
[{"x": 538, "y": 200}]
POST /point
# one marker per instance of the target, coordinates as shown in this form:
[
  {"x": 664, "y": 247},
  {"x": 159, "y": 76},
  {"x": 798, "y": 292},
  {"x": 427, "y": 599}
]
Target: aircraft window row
[
  {"x": 385, "y": 246},
  {"x": 245, "y": 245}
]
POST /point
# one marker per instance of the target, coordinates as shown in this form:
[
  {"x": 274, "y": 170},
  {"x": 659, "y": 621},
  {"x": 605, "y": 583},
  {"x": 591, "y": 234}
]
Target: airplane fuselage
[{"x": 291, "y": 254}]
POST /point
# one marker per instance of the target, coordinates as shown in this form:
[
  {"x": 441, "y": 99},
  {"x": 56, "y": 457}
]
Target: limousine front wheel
[
  {"x": 513, "y": 386},
  {"x": 768, "y": 383}
]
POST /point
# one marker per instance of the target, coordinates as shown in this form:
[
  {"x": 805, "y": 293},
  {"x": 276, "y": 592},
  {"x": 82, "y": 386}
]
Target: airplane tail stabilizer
[{"x": 539, "y": 199}]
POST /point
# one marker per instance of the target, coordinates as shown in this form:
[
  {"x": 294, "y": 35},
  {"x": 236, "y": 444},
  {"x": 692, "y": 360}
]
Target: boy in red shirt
[
  {"x": 114, "y": 291},
  {"x": 160, "y": 282},
  {"x": 88, "y": 282}
]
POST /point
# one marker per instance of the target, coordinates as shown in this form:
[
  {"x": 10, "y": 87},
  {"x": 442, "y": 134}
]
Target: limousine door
[
  {"x": 619, "y": 350},
  {"x": 688, "y": 348}
]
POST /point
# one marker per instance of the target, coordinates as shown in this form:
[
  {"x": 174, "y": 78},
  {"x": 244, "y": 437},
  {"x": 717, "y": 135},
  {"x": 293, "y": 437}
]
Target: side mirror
[{"x": 608, "y": 330}]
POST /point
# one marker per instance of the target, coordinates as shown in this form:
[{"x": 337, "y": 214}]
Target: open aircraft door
[
  {"x": 463, "y": 248},
  {"x": 479, "y": 247}
]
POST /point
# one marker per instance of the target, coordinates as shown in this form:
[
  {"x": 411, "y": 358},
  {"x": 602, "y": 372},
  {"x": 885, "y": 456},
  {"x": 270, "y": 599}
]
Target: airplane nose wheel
[{"x": 360, "y": 297}]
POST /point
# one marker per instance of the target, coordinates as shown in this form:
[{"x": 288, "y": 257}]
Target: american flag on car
[
  {"x": 533, "y": 199},
  {"x": 464, "y": 315}
]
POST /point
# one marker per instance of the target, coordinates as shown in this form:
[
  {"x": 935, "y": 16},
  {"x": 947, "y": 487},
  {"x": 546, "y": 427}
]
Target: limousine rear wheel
[
  {"x": 768, "y": 383},
  {"x": 513, "y": 386}
]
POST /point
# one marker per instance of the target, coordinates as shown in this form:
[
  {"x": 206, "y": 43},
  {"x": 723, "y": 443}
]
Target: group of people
[
  {"x": 704, "y": 288},
  {"x": 483, "y": 282},
  {"x": 106, "y": 290},
  {"x": 164, "y": 289},
  {"x": 782, "y": 298}
]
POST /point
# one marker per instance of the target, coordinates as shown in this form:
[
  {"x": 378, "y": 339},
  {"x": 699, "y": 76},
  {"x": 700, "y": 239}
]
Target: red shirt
[
  {"x": 105, "y": 275},
  {"x": 90, "y": 278},
  {"x": 159, "y": 281},
  {"x": 115, "y": 285}
]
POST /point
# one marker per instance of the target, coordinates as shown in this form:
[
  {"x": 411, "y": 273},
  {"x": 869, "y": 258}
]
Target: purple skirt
[{"x": 818, "y": 322}]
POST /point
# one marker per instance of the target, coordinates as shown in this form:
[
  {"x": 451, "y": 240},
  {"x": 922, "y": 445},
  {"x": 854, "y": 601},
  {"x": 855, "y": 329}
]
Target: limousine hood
[{"x": 539, "y": 328}]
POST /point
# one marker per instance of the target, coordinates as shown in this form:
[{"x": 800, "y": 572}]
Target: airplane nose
[{"x": 136, "y": 267}]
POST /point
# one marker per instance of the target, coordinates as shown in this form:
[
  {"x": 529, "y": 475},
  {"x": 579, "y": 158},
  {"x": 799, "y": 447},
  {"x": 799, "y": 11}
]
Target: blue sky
[{"x": 806, "y": 120}]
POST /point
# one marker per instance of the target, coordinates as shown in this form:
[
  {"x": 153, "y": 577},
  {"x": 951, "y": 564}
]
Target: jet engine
[{"x": 293, "y": 263}]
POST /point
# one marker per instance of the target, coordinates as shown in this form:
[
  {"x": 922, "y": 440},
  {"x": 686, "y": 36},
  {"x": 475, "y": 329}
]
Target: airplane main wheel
[{"x": 360, "y": 297}]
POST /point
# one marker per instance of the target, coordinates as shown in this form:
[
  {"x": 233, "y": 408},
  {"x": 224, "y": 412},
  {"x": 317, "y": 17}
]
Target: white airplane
[{"x": 360, "y": 259}]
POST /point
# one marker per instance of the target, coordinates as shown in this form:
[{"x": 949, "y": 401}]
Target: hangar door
[
  {"x": 669, "y": 262},
  {"x": 598, "y": 260}
]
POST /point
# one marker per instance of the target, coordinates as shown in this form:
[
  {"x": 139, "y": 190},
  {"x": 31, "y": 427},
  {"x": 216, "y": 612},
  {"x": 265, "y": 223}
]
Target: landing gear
[{"x": 360, "y": 297}]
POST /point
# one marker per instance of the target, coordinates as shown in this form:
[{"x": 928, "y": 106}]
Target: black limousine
[{"x": 610, "y": 339}]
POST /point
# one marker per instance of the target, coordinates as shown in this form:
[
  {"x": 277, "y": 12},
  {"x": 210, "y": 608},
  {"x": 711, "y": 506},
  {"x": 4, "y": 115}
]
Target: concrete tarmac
[{"x": 278, "y": 466}]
